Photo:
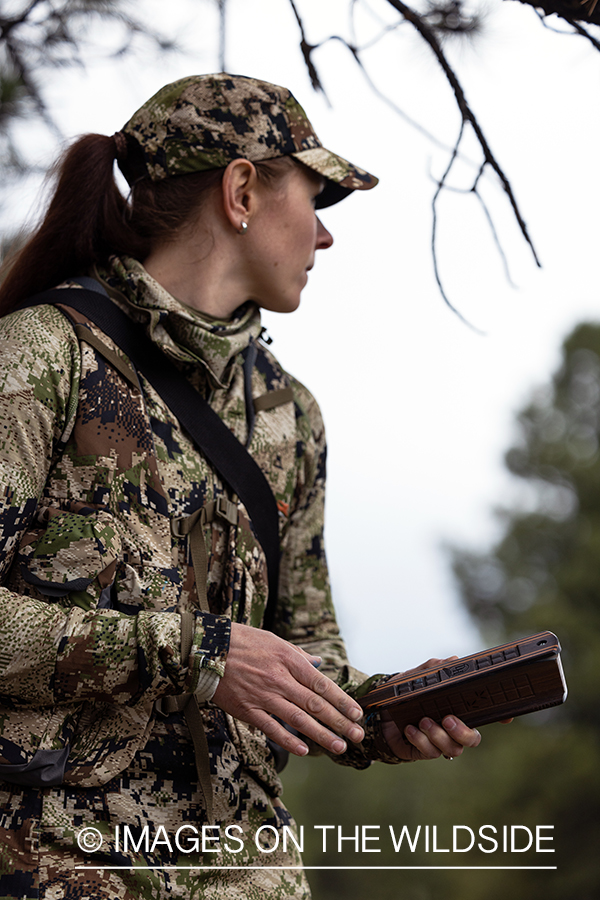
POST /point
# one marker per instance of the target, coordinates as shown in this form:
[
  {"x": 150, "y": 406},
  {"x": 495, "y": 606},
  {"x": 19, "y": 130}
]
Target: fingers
[
  {"x": 266, "y": 676},
  {"x": 315, "y": 706},
  {"x": 433, "y": 663},
  {"x": 321, "y": 697},
  {"x": 327, "y": 730},
  {"x": 461, "y": 733},
  {"x": 276, "y": 732},
  {"x": 448, "y": 739},
  {"x": 308, "y": 727}
]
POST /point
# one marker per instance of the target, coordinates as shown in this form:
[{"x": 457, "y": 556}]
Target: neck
[{"x": 206, "y": 277}]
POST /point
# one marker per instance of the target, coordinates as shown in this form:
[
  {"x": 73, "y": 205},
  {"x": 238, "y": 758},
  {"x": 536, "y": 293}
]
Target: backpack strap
[
  {"x": 188, "y": 705},
  {"x": 116, "y": 361},
  {"x": 210, "y": 434}
]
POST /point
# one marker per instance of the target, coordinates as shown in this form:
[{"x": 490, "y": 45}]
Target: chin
[{"x": 282, "y": 305}]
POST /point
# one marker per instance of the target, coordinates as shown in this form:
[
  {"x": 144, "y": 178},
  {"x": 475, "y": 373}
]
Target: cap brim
[{"x": 342, "y": 176}]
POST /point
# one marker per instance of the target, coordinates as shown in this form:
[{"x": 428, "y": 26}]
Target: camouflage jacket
[{"x": 93, "y": 473}]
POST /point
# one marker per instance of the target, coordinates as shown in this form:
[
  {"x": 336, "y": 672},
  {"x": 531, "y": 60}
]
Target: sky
[{"x": 419, "y": 407}]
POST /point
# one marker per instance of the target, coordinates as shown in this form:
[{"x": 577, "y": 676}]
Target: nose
[{"x": 324, "y": 237}]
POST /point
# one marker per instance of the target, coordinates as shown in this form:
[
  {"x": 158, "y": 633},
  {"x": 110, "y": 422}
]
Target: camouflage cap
[{"x": 204, "y": 121}]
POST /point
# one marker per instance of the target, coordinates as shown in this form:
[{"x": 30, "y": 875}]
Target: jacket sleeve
[
  {"x": 55, "y": 652},
  {"x": 306, "y": 615}
]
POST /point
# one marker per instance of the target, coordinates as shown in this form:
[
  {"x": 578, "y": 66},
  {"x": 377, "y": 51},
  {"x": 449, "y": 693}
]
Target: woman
[{"x": 141, "y": 683}]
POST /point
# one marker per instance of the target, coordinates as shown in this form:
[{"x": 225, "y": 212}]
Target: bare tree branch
[
  {"x": 571, "y": 10},
  {"x": 355, "y": 51},
  {"x": 40, "y": 35},
  {"x": 441, "y": 20},
  {"x": 306, "y": 50},
  {"x": 496, "y": 239},
  {"x": 582, "y": 31},
  {"x": 474, "y": 189},
  {"x": 466, "y": 112},
  {"x": 440, "y": 186},
  {"x": 222, "y": 4}
]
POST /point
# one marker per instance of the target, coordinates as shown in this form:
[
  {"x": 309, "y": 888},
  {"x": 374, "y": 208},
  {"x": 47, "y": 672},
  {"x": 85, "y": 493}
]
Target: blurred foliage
[
  {"x": 39, "y": 36},
  {"x": 544, "y": 769}
]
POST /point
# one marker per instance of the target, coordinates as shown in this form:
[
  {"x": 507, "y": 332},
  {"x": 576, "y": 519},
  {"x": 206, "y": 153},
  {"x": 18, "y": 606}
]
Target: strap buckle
[
  {"x": 183, "y": 525},
  {"x": 221, "y": 507},
  {"x": 227, "y": 510}
]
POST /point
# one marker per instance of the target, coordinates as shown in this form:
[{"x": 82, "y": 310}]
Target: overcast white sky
[{"x": 418, "y": 407}]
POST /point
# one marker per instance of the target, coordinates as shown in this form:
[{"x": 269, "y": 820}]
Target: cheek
[{"x": 309, "y": 230}]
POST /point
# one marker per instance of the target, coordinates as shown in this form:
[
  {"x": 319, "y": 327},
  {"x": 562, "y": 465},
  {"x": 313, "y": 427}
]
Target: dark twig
[
  {"x": 495, "y": 237},
  {"x": 306, "y": 50},
  {"x": 428, "y": 31},
  {"x": 440, "y": 186},
  {"x": 474, "y": 189},
  {"x": 543, "y": 19},
  {"x": 389, "y": 102},
  {"x": 466, "y": 112},
  {"x": 578, "y": 28},
  {"x": 355, "y": 51},
  {"x": 385, "y": 30},
  {"x": 222, "y": 33},
  {"x": 581, "y": 30}
]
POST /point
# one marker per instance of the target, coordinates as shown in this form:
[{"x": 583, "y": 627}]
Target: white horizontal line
[{"x": 337, "y": 868}]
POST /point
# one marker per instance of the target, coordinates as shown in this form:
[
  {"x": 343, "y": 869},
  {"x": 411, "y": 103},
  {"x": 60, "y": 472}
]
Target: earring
[{"x": 243, "y": 228}]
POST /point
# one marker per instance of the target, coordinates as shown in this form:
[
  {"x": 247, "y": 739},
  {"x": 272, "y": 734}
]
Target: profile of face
[
  {"x": 214, "y": 268},
  {"x": 283, "y": 236}
]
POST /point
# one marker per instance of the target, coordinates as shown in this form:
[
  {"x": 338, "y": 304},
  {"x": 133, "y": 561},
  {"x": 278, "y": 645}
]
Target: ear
[{"x": 239, "y": 192}]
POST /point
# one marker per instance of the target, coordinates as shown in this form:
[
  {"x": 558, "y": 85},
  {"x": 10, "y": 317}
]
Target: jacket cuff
[
  {"x": 380, "y": 749},
  {"x": 209, "y": 649},
  {"x": 208, "y": 682}
]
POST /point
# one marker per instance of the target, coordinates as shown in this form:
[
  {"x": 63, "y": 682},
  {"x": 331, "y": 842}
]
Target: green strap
[
  {"x": 195, "y": 724},
  {"x": 188, "y": 704},
  {"x": 86, "y": 334},
  {"x": 200, "y": 564},
  {"x": 273, "y": 398},
  {"x": 192, "y": 526},
  {"x": 188, "y": 623}
]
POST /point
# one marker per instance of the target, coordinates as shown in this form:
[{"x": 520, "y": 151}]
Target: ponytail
[
  {"x": 88, "y": 219},
  {"x": 85, "y": 219}
]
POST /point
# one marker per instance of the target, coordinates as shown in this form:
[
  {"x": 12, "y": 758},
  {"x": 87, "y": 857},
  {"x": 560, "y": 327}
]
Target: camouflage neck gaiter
[{"x": 181, "y": 332}]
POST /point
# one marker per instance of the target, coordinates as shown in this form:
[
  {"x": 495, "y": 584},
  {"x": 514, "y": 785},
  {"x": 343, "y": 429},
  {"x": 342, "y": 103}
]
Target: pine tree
[{"x": 544, "y": 574}]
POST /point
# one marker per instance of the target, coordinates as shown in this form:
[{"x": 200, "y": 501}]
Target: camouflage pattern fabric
[
  {"x": 93, "y": 471},
  {"x": 205, "y": 121}
]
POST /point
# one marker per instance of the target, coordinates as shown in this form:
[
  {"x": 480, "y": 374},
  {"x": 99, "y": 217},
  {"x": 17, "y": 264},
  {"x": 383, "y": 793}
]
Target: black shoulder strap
[{"x": 209, "y": 432}]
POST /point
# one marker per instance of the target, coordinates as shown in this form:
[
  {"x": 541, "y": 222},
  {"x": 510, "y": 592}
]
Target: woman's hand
[
  {"x": 429, "y": 740},
  {"x": 266, "y": 676}
]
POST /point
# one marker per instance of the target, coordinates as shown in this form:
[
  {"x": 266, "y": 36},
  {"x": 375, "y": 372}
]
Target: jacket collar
[{"x": 182, "y": 332}]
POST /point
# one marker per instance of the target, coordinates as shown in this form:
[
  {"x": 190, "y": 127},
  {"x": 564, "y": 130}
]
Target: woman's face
[{"x": 282, "y": 239}]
